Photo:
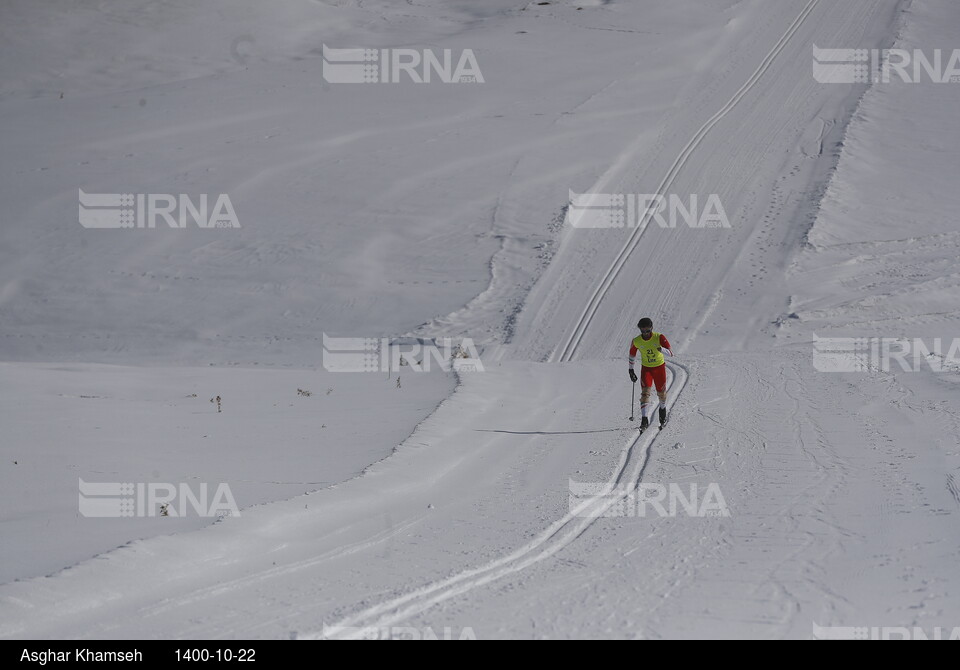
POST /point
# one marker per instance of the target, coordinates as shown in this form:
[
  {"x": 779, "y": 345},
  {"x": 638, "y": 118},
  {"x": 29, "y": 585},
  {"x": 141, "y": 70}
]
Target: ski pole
[{"x": 633, "y": 391}]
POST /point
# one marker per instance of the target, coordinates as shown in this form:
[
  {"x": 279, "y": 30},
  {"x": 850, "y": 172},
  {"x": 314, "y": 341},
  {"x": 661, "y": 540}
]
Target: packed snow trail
[
  {"x": 748, "y": 125},
  {"x": 557, "y": 536},
  {"x": 388, "y": 614},
  {"x": 840, "y": 515},
  {"x": 439, "y": 502},
  {"x": 663, "y": 190}
]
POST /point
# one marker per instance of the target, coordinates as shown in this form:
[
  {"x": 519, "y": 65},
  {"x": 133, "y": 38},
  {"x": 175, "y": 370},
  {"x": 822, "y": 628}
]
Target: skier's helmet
[{"x": 645, "y": 322}]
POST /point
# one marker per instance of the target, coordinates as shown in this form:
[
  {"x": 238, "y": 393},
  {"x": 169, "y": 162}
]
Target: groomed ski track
[{"x": 567, "y": 529}]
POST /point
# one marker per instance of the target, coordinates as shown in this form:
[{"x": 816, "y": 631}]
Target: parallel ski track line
[
  {"x": 557, "y": 536},
  {"x": 567, "y": 529},
  {"x": 610, "y": 275}
]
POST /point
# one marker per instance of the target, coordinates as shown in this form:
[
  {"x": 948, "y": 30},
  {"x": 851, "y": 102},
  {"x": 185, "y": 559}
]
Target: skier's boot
[
  {"x": 663, "y": 416},
  {"x": 644, "y": 422}
]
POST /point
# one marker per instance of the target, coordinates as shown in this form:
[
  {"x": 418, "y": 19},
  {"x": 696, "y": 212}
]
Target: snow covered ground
[
  {"x": 102, "y": 423},
  {"x": 436, "y": 210}
]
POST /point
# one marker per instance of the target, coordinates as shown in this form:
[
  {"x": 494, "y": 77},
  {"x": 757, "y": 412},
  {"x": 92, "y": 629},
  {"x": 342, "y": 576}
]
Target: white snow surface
[{"x": 437, "y": 210}]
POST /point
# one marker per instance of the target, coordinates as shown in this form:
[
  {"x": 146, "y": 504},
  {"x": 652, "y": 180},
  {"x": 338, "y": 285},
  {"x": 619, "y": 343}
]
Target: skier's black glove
[{"x": 633, "y": 376}]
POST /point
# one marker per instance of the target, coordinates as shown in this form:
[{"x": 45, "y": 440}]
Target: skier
[{"x": 652, "y": 346}]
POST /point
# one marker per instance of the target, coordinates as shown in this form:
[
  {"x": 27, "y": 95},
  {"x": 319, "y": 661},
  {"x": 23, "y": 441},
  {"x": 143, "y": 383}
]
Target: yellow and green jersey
[{"x": 650, "y": 351}]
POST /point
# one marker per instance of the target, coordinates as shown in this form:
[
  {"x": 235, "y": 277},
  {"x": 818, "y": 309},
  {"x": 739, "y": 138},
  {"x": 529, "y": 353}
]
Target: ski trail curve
[
  {"x": 557, "y": 536},
  {"x": 573, "y": 342},
  {"x": 569, "y": 527}
]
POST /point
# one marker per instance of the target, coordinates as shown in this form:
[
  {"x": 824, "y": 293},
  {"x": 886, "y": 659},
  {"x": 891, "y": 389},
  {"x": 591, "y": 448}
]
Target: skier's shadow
[{"x": 549, "y": 432}]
